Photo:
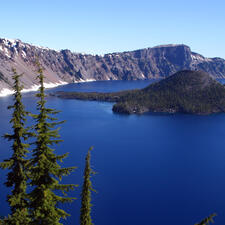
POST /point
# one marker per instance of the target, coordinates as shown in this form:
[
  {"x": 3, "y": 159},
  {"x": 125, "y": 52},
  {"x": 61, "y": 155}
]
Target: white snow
[
  {"x": 197, "y": 57},
  {"x": 5, "y": 91},
  {"x": 44, "y": 48},
  {"x": 10, "y": 42},
  {"x": 46, "y": 85},
  {"x": 16, "y": 50},
  {"x": 41, "y": 47},
  {"x": 109, "y": 55},
  {"x": 82, "y": 81},
  {"x": 7, "y": 53},
  {"x": 23, "y": 54}
]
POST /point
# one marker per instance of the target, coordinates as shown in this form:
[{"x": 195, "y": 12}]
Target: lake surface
[{"x": 152, "y": 169}]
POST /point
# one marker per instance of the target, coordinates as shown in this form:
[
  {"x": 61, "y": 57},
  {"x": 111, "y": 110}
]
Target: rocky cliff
[{"x": 66, "y": 66}]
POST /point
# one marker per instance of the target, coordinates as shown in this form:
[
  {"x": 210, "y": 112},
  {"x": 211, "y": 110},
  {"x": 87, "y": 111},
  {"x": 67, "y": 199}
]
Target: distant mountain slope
[
  {"x": 156, "y": 62},
  {"x": 186, "y": 91}
]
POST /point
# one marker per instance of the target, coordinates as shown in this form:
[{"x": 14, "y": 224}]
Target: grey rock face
[{"x": 64, "y": 65}]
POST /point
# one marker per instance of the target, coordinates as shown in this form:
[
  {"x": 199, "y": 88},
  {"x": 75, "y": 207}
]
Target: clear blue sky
[{"x": 103, "y": 26}]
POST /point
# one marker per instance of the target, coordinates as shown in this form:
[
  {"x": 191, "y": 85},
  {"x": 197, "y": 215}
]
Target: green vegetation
[
  {"x": 40, "y": 171},
  {"x": 85, "y": 216},
  {"x": 45, "y": 172},
  {"x": 17, "y": 163},
  {"x": 186, "y": 91}
]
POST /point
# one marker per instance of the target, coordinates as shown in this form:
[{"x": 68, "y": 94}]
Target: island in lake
[{"x": 194, "y": 92}]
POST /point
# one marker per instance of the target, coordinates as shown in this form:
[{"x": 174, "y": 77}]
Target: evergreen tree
[
  {"x": 17, "y": 163},
  {"x": 85, "y": 215},
  {"x": 208, "y": 220},
  {"x": 46, "y": 173}
]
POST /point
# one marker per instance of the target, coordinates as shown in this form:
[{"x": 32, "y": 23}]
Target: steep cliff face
[{"x": 66, "y": 66}]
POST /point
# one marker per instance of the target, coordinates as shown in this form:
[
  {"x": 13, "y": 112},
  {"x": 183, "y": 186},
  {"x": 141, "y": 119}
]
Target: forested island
[{"x": 194, "y": 92}]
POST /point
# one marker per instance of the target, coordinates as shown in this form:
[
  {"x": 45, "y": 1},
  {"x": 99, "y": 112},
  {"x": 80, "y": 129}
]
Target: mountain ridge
[{"x": 65, "y": 66}]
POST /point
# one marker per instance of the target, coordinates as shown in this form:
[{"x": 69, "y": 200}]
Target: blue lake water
[{"x": 152, "y": 169}]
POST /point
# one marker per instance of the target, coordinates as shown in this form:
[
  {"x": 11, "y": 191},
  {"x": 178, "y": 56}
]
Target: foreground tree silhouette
[
  {"x": 208, "y": 220},
  {"x": 85, "y": 215},
  {"x": 45, "y": 171},
  {"x": 17, "y": 163}
]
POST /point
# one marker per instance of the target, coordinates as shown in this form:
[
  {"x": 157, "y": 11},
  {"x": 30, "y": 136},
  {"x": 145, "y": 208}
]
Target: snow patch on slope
[
  {"x": 82, "y": 81},
  {"x": 197, "y": 57},
  {"x": 46, "y": 85},
  {"x": 10, "y": 42},
  {"x": 5, "y": 91}
]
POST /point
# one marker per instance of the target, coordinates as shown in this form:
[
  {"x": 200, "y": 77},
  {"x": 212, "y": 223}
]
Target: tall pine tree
[
  {"x": 85, "y": 211},
  {"x": 17, "y": 163},
  {"x": 46, "y": 173}
]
